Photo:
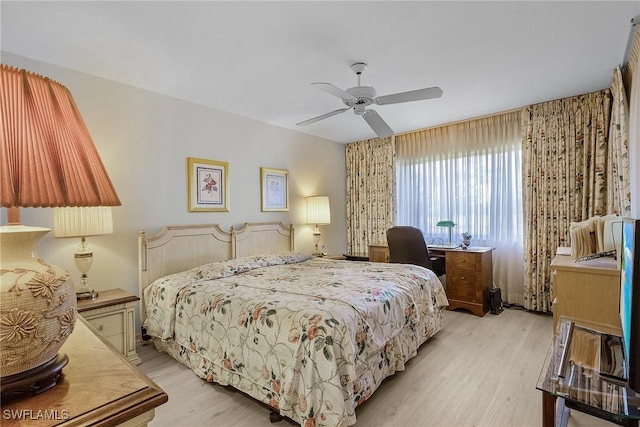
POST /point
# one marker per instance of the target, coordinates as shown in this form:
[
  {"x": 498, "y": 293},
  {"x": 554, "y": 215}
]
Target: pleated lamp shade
[
  {"x": 48, "y": 158},
  {"x": 318, "y": 211},
  {"x": 82, "y": 221}
]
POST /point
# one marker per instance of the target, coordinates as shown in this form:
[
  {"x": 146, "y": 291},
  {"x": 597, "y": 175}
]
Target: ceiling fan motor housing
[{"x": 363, "y": 95}]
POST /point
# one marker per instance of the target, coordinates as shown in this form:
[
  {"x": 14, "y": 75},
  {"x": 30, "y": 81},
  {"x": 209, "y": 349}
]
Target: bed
[{"x": 310, "y": 337}]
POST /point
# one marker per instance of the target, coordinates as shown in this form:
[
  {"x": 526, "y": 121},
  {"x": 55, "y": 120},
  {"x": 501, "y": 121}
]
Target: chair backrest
[{"x": 407, "y": 246}]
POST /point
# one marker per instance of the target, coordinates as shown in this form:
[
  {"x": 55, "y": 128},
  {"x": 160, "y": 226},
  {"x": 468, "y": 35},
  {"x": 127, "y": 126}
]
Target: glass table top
[{"x": 582, "y": 366}]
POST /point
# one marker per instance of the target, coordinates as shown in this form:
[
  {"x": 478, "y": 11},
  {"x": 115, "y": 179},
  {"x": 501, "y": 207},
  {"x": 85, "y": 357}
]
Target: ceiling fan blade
[
  {"x": 379, "y": 126},
  {"x": 335, "y": 91},
  {"x": 413, "y": 95},
  {"x": 322, "y": 117}
]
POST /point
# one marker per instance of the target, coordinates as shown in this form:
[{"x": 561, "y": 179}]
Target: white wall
[{"x": 144, "y": 139}]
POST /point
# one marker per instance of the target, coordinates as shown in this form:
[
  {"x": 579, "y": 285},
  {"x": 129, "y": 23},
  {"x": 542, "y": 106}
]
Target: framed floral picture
[
  {"x": 208, "y": 185},
  {"x": 275, "y": 189}
]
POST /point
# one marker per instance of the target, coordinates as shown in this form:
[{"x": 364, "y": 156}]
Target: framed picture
[
  {"x": 208, "y": 182},
  {"x": 275, "y": 189}
]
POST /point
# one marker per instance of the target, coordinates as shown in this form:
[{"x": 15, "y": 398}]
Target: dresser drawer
[
  {"x": 109, "y": 324},
  {"x": 461, "y": 261},
  {"x": 461, "y": 285}
]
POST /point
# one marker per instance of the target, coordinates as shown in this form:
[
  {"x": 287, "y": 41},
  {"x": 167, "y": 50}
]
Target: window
[{"x": 471, "y": 174}]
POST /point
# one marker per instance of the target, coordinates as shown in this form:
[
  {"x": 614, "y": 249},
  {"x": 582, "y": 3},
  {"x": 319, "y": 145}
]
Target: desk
[
  {"x": 469, "y": 274},
  {"x": 99, "y": 387},
  {"x": 579, "y": 385}
]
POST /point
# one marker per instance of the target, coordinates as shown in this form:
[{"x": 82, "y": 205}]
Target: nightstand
[
  {"x": 334, "y": 256},
  {"x": 357, "y": 257},
  {"x": 379, "y": 253},
  {"x": 113, "y": 315}
]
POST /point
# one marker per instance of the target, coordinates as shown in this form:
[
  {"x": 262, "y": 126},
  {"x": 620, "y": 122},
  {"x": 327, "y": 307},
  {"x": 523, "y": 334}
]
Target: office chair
[{"x": 407, "y": 246}]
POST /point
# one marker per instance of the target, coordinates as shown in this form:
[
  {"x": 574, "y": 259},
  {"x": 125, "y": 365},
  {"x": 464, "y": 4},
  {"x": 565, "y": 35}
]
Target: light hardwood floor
[{"x": 477, "y": 371}]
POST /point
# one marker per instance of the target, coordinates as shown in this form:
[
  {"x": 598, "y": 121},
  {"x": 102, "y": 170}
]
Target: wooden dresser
[
  {"x": 587, "y": 292},
  {"x": 99, "y": 387}
]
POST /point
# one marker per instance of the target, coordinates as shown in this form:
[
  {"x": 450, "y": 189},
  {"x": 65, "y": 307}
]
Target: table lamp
[
  {"x": 318, "y": 213},
  {"x": 83, "y": 222},
  {"x": 47, "y": 159},
  {"x": 449, "y": 225}
]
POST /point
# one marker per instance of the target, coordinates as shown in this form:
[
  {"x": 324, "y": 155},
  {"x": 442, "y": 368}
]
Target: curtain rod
[
  {"x": 632, "y": 35},
  {"x": 457, "y": 122}
]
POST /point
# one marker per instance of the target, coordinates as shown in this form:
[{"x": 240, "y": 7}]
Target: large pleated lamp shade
[
  {"x": 47, "y": 159},
  {"x": 48, "y": 156}
]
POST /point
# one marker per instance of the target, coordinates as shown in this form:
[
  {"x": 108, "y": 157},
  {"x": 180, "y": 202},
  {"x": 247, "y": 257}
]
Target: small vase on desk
[{"x": 466, "y": 240}]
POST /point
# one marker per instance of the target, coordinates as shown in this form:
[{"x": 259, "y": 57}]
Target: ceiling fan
[{"x": 360, "y": 97}]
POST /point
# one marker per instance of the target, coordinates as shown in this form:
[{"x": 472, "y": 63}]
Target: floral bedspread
[{"x": 312, "y": 338}]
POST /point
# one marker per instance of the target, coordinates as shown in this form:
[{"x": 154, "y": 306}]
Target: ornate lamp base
[
  {"x": 34, "y": 381},
  {"x": 87, "y": 295},
  {"x": 84, "y": 291}
]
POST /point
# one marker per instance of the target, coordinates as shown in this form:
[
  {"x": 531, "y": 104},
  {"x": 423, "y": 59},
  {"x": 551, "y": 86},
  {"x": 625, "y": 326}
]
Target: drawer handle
[{"x": 461, "y": 277}]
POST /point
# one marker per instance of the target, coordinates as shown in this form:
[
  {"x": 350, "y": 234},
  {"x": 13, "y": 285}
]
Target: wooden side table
[
  {"x": 113, "y": 315},
  {"x": 99, "y": 387}
]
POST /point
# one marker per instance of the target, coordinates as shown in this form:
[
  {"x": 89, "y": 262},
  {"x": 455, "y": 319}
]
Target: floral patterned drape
[
  {"x": 618, "y": 168},
  {"x": 370, "y": 192},
  {"x": 564, "y": 149}
]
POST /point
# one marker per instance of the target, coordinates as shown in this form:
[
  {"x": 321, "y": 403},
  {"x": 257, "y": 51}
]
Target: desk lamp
[{"x": 449, "y": 225}]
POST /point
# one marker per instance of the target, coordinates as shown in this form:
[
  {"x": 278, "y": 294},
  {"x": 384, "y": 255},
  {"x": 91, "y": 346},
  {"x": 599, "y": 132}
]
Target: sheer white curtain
[{"x": 469, "y": 173}]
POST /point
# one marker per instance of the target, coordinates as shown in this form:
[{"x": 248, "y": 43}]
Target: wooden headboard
[
  {"x": 261, "y": 238},
  {"x": 181, "y": 247}
]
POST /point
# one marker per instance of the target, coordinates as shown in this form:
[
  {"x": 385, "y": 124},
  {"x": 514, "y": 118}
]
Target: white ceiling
[{"x": 257, "y": 59}]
